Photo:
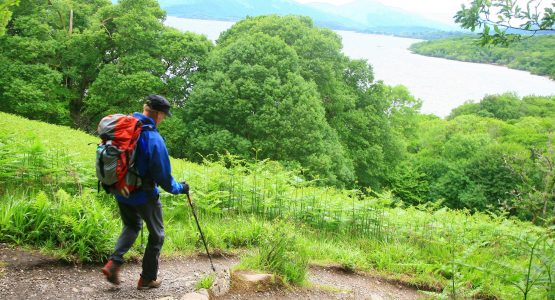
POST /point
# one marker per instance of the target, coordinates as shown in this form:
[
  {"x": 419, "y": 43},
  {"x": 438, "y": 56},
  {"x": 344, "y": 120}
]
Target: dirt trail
[{"x": 29, "y": 275}]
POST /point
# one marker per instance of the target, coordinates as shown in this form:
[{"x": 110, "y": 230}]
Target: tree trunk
[{"x": 70, "y": 21}]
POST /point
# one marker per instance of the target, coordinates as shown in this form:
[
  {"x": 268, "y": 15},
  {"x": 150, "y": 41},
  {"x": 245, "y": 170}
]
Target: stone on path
[
  {"x": 221, "y": 284},
  {"x": 201, "y": 294},
  {"x": 249, "y": 280}
]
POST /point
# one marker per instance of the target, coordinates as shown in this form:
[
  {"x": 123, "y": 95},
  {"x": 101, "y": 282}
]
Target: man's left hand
[{"x": 185, "y": 187}]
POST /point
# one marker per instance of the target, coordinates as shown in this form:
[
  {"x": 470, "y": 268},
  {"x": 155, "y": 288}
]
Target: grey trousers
[{"x": 132, "y": 217}]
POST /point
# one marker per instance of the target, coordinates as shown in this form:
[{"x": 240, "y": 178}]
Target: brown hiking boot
[
  {"x": 148, "y": 284},
  {"x": 111, "y": 271}
]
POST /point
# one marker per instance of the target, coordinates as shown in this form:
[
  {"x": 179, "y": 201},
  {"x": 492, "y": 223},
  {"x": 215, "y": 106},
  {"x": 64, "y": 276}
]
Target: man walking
[{"x": 153, "y": 165}]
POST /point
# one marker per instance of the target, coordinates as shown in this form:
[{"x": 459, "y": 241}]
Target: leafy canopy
[
  {"x": 507, "y": 18},
  {"x": 5, "y": 14},
  {"x": 111, "y": 58},
  {"x": 281, "y": 87}
]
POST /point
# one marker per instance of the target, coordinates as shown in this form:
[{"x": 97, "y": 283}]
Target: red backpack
[{"x": 115, "y": 155}]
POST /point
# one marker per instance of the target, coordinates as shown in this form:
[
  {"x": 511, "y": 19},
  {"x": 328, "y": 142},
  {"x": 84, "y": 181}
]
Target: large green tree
[
  {"x": 110, "y": 57},
  {"x": 493, "y": 155},
  {"x": 508, "y": 107},
  {"x": 359, "y": 136},
  {"x": 465, "y": 162},
  {"x": 142, "y": 57},
  {"x": 254, "y": 98},
  {"x": 32, "y": 79}
]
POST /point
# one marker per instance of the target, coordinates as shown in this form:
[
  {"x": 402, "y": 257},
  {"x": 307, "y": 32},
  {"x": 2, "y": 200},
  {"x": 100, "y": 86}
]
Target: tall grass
[
  {"x": 281, "y": 253},
  {"x": 77, "y": 228},
  {"x": 458, "y": 253},
  {"x": 35, "y": 155}
]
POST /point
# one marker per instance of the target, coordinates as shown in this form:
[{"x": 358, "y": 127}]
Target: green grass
[
  {"x": 76, "y": 228},
  {"x": 48, "y": 200},
  {"x": 205, "y": 282},
  {"x": 280, "y": 252}
]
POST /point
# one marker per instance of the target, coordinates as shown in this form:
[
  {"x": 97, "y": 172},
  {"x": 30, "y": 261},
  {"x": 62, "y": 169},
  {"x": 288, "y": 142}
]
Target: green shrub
[
  {"x": 282, "y": 253},
  {"x": 205, "y": 282}
]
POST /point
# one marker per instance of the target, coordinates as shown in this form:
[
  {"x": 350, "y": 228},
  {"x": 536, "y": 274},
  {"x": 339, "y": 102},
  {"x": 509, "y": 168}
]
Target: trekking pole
[
  {"x": 142, "y": 239},
  {"x": 200, "y": 230}
]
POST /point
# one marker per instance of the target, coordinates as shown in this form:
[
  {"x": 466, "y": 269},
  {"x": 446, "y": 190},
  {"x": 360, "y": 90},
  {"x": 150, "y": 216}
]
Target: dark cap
[{"x": 159, "y": 103}]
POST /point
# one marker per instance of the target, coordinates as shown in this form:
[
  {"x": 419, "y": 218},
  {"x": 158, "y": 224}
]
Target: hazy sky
[{"x": 441, "y": 10}]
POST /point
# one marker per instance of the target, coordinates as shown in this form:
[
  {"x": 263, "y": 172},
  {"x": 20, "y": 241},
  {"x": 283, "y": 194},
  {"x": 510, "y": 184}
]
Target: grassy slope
[{"x": 476, "y": 254}]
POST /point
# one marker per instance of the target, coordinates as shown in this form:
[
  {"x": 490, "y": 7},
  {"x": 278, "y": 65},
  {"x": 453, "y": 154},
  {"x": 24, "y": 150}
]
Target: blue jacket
[{"x": 153, "y": 163}]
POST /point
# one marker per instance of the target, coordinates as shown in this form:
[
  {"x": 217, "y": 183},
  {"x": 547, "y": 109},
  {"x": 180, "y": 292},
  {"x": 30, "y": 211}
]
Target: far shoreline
[{"x": 234, "y": 20}]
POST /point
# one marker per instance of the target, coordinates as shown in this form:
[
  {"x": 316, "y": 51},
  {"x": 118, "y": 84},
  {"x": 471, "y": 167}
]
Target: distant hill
[
  {"x": 234, "y": 10},
  {"x": 361, "y": 15},
  {"x": 374, "y": 14}
]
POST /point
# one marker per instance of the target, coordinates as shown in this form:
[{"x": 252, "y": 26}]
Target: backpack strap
[
  {"x": 148, "y": 127},
  {"x": 147, "y": 183},
  {"x": 144, "y": 127},
  {"x": 101, "y": 162}
]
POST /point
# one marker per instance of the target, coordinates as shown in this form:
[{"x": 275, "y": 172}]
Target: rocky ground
[{"x": 29, "y": 275}]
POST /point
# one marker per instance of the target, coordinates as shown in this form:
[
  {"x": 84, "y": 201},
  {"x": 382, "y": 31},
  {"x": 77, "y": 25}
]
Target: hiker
[{"x": 153, "y": 165}]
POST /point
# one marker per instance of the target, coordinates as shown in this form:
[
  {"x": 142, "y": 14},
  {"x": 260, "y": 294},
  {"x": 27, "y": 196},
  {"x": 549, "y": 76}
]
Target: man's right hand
[{"x": 185, "y": 187}]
